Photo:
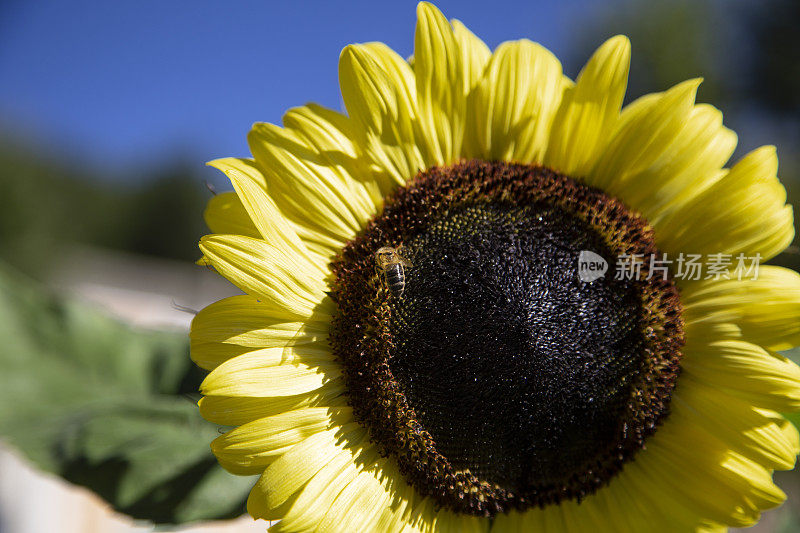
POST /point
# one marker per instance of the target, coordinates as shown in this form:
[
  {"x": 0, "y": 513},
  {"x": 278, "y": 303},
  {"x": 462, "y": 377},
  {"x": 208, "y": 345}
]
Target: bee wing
[{"x": 406, "y": 262}]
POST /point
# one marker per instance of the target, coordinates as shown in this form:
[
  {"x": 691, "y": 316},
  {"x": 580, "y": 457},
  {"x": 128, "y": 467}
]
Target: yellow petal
[
  {"x": 360, "y": 503},
  {"x": 225, "y": 214},
  {"x": 702, "y": 488},
  {"x": 551, "y": 519},
  {"x": 306, "y": 187},
  {"x": 766, "y": 310},
  {"x": 630, "y": 514},
  {"x": 474, "y": 55},
  {"x": 261, "y": 269},
  {"x": 272, "y": 372},
  {"x": 421, "y": 516},
  {"x": 509, "y": 522},
  {"x": 745, "y": 370},
  {"x": 333, "y": 135},
  {"x": 590, "y": 110},
  {"x": 448, "y": 521},
  {"x": 441, "y": 100},
  {"x": 694, "y": 501},
  {"x": 286, "y": 475},
  {"x": 510, "y": 111},
  {"x": 757, "y": 434},
  {"x": 250, "y": 186},
  {"x": 316, "y": 497},
  {"x": 235, "y": 411},
  {"x": 745, "y": 211},
  {"x": 239, "y": 324},
  {"x": 664, "y": 510},
  {"x": 752, "y": 479},
  {"x": 645, "y": 130},
  {"x": 378, "y": 90},
  {"x": 688, "y": 166},
  {"x": 250, "y": 448},
  {"x": 398, "y": 514},
  {"x": 248, "y": 321}
]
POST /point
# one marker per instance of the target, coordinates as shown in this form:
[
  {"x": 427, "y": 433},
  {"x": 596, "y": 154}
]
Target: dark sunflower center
[
  {"x": 497, "y": 377},
  {"x": 519, "y": 370}
]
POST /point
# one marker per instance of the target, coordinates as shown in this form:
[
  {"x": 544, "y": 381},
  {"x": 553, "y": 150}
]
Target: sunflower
[{"x": 416, "y": 350}]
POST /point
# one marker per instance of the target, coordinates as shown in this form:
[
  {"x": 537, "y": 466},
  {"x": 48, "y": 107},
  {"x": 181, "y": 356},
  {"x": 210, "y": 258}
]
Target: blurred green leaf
[{"x": 109, "y": 408}]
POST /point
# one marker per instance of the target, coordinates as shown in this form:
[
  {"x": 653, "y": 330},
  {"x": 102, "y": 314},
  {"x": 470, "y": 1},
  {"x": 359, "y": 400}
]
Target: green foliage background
[{"x": 109, "y": 407}]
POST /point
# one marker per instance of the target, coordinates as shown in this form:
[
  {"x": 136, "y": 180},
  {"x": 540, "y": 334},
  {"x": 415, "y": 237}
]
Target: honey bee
[{"x": 390, "y": 261}]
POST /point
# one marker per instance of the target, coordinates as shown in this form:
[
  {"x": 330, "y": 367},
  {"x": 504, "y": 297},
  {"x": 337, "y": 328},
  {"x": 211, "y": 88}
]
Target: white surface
[
  {"x": 33, "y": 502},
  {"x": 142, "y": 291}
]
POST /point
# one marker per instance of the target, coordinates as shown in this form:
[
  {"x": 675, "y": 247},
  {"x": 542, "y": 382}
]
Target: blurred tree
[
  {"x": 164, "y": 217},
  {"x": 672, "y": 40},
  {"x": 49, "y": 204},
  {"x": 775, "y": 67}
]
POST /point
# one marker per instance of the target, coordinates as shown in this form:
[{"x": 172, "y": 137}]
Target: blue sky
[{"x": 119, "y": 83}]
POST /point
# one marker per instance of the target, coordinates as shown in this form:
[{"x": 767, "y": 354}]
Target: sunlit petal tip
[
  {"x": 427, "y": 9},
  {"x": 362, "y": 83},
  {"x": 684, "y": 92},
  {"x": 620, "y": 41},
  {"x": 689, "y": 87},
  {"x": 761, "y": 164},
  {"x": 618, "y": 50}
]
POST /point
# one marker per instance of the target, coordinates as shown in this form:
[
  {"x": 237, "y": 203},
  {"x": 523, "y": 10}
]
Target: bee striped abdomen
[{"x": 396, "y": 279}]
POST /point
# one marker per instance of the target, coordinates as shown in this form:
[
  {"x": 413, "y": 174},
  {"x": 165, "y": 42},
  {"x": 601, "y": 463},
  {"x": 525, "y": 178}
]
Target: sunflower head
[
  {"x": 417, "y": 348},
  {"x": 581, "y": 373}
]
